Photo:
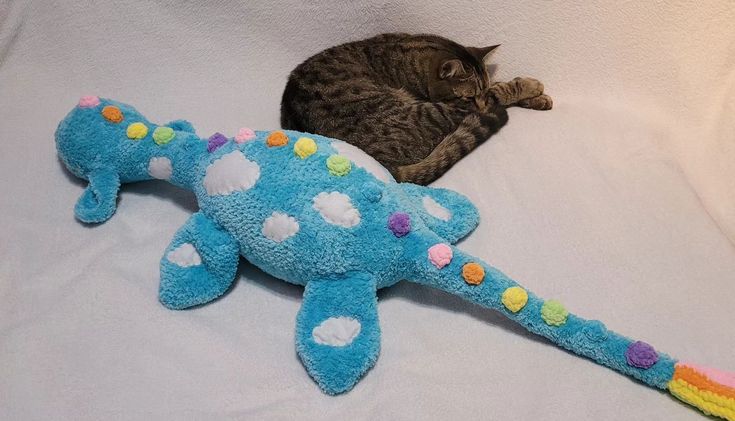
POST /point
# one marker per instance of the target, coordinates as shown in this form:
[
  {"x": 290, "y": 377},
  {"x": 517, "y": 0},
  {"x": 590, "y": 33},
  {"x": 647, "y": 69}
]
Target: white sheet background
[{"x": 619, "y": 202}]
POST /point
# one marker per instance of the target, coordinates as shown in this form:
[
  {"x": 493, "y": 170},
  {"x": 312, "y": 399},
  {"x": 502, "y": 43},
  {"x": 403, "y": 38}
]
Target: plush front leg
[
  {"x": 99, "y": 200},
  {"x": 524, "y": 92},
  {"x": 337, "y": 330},
  {"x": 199, "y": 265}
]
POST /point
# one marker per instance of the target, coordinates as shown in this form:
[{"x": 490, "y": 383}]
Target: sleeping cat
[{"x": 416, "y": 103}]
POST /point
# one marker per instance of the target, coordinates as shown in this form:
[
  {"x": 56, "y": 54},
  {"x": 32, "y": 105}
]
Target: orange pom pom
[
  {"x": 112, "y": 114},
  {"x": 277, "y": 138},
  {"x": 473, "y": 273}
]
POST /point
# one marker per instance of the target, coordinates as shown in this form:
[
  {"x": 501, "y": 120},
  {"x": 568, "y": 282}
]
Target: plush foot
[
  {"x": 337, "y": 331},
  {"x": 199, "y": 264}
]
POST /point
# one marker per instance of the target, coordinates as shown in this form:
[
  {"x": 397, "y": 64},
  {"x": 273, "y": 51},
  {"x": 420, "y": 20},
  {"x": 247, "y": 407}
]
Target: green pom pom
[
  {"x": 163, "y": 135},
  {"x": 338, "y": 165},
  {"x": 554, "y": 313}
]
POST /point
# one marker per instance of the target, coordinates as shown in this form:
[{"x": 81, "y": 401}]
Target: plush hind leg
[{"x": 337, "y": 330}]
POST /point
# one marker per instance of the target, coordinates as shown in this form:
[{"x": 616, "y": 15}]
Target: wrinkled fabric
[{"x": 619, "y": 203}]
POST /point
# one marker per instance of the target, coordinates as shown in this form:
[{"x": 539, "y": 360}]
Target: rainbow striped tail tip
[{"x": 710, "y": 390}]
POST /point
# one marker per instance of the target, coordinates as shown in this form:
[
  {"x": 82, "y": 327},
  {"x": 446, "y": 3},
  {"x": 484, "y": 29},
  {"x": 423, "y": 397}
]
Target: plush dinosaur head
[{"x": 99, "y": 140}]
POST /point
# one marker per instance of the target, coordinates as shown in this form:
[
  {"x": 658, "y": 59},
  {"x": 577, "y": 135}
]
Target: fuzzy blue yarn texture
[{"x": 294, "y": 218}]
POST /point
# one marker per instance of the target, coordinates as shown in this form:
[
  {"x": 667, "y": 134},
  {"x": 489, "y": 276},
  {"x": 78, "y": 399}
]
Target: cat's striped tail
[
  {"x": 710, "y": 390},
  {"x": 472, "y": 131}
]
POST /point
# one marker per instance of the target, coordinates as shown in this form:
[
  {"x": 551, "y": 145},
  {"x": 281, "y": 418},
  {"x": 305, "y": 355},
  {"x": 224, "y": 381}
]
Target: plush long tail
[
  {"x": 448, "y": 268},
  {"x": 710, "y": 390}
]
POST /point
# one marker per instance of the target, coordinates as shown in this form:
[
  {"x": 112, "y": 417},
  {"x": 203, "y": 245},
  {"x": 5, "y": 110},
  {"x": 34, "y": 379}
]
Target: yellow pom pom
[
  {"x": 514, "y": 299},
  {"x": 304, "y": 147},
  {"x": 473, "y": 273},
  {"x": 137, "y": 131}
]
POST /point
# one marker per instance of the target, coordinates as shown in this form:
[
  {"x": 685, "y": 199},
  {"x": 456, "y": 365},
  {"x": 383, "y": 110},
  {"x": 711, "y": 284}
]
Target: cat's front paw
[
  {"x": 528, "y": 87},
  {"x": 541, "y": 103},
  {"x": 517, "y": 90}
]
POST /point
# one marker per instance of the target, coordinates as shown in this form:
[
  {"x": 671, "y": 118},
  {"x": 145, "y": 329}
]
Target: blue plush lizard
[{"x": 320, "y": 213}]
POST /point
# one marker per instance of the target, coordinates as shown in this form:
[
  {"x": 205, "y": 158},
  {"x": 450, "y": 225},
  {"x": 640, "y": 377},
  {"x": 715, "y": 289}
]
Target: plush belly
[{"x": 300, "y": 216}]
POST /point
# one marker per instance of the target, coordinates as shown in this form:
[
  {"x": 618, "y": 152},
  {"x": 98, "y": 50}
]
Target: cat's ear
[
  {"x": 483, "y": 54},
  {"x": 451, "y": 68}
]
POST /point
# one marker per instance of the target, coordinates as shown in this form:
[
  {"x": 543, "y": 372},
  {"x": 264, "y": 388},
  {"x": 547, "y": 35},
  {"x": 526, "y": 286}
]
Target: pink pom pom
[
  {"x": 722, "y": 377},
  {"x": 440, "y": 255},
  {"x": 89, "y": 101},
  {"x": 244, "y": 134}
]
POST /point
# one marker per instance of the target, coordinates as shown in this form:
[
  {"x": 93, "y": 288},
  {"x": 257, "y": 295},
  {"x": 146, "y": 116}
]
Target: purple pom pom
[
  {"x": 399, "y": 223},
  {"x": 215, "y": 141},
  {"x": 640, "y": 354}
]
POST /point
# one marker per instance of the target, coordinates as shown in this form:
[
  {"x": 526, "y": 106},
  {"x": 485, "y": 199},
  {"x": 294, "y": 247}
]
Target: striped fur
[{"x": 416, "y": 103}]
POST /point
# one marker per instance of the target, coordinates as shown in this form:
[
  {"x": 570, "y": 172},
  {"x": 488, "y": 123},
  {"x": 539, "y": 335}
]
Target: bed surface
[{"x": 619, "y": 202}]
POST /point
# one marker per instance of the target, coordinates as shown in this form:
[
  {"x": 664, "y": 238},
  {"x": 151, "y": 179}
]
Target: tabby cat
[{"x": 416, "y": 103}]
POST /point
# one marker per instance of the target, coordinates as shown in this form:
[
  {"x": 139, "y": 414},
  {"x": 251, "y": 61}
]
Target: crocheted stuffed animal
[{"x": 318, "y": 212}]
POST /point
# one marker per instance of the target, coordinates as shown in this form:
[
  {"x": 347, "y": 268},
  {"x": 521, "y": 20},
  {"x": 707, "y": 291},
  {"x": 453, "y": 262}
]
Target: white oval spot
[
  {"x": 230, "y": 173},
  {"x": 279, "y": 227},
  {"x": 435, "y": 209},
  {"x": 336, "y": 331},
  {"x": 160, "y": 167},
  {"x": 184, "y": 255},
  {"x": 336, "y": 208},
  {"x": 362, "y": 160}
]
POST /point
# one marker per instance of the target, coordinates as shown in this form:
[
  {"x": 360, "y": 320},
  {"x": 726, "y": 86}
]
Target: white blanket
[{"x": 618, "y": 202}]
